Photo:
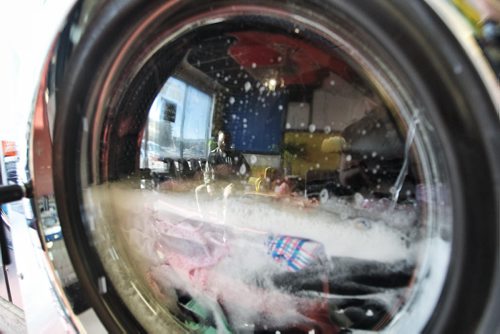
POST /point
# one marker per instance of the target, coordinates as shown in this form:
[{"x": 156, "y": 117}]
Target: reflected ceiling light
[{"x": 271, "y": 84}]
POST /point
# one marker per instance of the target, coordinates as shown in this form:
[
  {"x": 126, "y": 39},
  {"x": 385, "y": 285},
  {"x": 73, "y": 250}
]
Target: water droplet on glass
[
  {"x": 312, "y": 128},
  {"x": 243, "y": 169},
  {"x": 280, "y": 107},
  {"x": 458, "y": 68},
  {"x": 254, "y": 65},
  {"x": 297, "y": 30},
  {"x": 332, "y": 83},
  {"x": 348, "y": 157},
  {"x": 363, "y": 132},
  {"x": 328, "y": 129},
  {"x": 232, "y": 100},
  {"x": 253, "y": 159},
  {"x": 248, "y": 86},
  {"x": 288, "y": 125},
  {"x": 374, "y": 154}
]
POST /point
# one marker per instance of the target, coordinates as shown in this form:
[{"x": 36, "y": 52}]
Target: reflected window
[{"x": 178, "y": 124}]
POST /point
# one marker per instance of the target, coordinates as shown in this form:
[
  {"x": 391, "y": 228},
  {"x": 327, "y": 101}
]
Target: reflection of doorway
[{"x": 179, "y": 123}]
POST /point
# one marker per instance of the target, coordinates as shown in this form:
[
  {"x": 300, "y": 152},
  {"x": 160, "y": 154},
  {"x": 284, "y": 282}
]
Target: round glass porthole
[{"x": 244, "y": 169}]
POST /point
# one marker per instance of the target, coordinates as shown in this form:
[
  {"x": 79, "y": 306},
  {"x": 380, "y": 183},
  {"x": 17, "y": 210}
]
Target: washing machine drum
[{"x": 277, "y": 166}]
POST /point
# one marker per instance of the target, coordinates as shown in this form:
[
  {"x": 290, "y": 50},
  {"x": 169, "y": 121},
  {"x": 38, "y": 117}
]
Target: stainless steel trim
[{"x": 58, "y": 271}]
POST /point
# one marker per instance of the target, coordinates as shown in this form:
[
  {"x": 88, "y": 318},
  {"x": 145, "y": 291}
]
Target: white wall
[
  {"x": 338, "y": 104},
  {"x": 27, "y": 29}
]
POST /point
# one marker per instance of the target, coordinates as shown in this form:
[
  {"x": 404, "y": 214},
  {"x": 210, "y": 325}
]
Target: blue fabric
[{"x": 295, "y": 253}]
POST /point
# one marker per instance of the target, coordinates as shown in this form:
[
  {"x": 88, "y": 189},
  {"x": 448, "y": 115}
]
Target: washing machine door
[{"x": 276, "y": 166}]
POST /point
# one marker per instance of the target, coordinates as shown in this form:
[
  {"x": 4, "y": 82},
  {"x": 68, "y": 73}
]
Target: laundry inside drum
[{"x": 266, "y": 184}]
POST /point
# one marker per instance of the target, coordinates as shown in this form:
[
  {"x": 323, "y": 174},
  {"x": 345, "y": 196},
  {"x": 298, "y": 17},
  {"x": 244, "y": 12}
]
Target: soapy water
[{"x": 264, "y": 262}]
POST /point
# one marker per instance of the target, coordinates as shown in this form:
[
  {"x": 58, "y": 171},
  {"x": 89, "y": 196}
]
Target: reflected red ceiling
[{"x": 287, "y": 59}]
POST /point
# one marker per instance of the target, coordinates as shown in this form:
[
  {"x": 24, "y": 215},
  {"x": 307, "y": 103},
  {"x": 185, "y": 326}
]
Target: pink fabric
[{"x": 190, "y": 246}]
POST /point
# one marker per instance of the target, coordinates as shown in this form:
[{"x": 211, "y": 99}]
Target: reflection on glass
[
  {"x": 178, "y": 124},
  {"x": 277, "y": 192}
]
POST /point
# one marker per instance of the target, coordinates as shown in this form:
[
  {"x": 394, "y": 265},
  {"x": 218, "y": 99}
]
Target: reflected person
[
  {"x": 223, "y": 167},
  {"x": 225, "y": 164}
]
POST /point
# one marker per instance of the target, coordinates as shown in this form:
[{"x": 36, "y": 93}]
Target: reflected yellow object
[
  {"x": 311, "y": 155},
  {"x": 255, "y": 182},
  {"x": 263, "y": 182},
  {"x": 469, "y": 11},
  {"x": 333, "y": 145}
]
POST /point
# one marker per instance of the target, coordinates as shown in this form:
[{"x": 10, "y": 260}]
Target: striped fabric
[{"x": 295, "y": 253}]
